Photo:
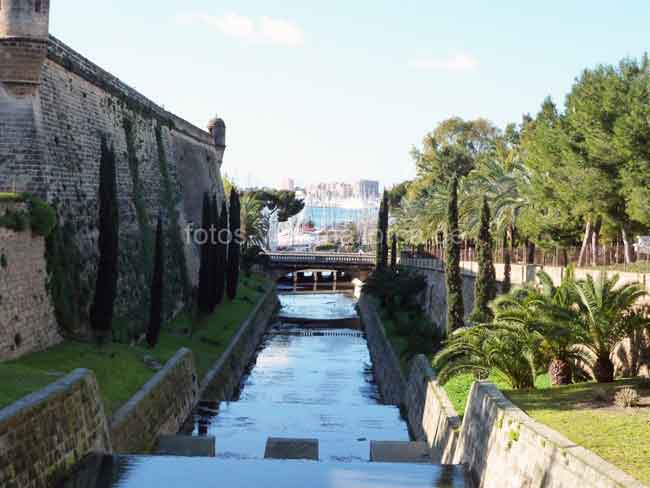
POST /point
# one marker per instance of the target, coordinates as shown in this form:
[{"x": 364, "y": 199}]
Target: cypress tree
[
  {"x": 204, "y": 269},
  {"x": 378, "y": 241},
  {"x": 222, "y": 251},
  {"x": 507, "y": 268},
  {"x": 155, "y": 311},
  {"x": 455, "y": 308},
  {"x": 101, "y": 314},
  {"x": 213, "y": 251},
  {"x": 485, "y": 286},
  {"x": 393, "y": 253},
  {"x": 234, "y": 249},
  {"x": 384, "y": 231}
]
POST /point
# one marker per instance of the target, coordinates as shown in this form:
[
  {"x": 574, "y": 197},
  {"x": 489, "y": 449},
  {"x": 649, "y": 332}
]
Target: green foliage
[
  {"x": 485, "y": 288},
  {"x": 252, "y": 256},
  {"x": 101, "y": 315},
  {"x": 453, "y": 280},
  {"x": 282, "y": 202},
  {"x": 42, "y": 216},
  {"x": 222, "y": 253},
  {"x": 326, "y": 247},
  {"x": 16, "y": 220},
  {"x": 395, "y": 288},
  {"x": 254, "y": 222},
  {"x": 69, "y": 293},
  {"x": 156, "y": 292},
  {"x": 206, "y": 271}
]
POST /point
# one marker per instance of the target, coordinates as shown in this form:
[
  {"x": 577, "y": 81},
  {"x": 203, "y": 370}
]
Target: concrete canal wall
[
  {"x": 500, "y": 445},
  {"x": 222, "y": 381},
  {"x": 46, "y": 433},
  {"x": 159, "y": 407}
]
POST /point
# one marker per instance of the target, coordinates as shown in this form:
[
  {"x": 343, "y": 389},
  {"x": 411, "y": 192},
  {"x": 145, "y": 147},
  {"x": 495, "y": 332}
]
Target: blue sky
[{"x": 341, "y": 90}]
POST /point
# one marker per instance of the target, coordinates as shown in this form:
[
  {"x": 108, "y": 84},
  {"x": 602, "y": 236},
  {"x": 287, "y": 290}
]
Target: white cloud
[
  {"x": 264, "y": 30},
  {"x": 456, "y": 63}
]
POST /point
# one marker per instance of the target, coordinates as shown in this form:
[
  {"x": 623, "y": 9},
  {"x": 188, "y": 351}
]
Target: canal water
[{"x": 309, "y": 381}]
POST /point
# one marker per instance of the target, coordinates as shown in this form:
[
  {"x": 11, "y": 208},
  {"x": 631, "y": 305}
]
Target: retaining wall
[
  {"x": 431, "y": 416},
  {"x": 43, "y": 435},
  {"x": 502, "y": 447},
  {"x": 223, "y": 380},
  {"x": 385, "y": 363},
  {"x": 159, "y": 407}
]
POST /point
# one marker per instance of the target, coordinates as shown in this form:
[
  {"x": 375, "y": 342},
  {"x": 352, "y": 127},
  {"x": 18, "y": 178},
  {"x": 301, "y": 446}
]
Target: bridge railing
[{"x": 321, "y": 258}]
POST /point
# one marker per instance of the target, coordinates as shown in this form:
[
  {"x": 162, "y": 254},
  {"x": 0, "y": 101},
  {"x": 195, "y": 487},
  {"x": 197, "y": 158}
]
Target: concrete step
[
  {"x": 399, "y": 452},
  {"x": 186, "y": 445}
]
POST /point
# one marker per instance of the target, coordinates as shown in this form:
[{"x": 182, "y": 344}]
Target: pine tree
[
  {"x": 101, "y": 315},
  {"x": 234, "y": 247},
  {"x": 204, "y": 269},
  {"x": 393, "y": 253},
  {"x": 155, "y": 311},
  {"x": 485, "y": 286},
  {"x": 222, "y": 251},
  {"x": 455, "y": 308}
]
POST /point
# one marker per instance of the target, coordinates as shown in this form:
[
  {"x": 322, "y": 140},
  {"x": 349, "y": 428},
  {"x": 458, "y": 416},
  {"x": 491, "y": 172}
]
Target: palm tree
[
  {"x": 607, "y": 316},
  {"x": 254, "y": 224},
  {"x": 549, "y": 312},
  {"x": 506, "y": 350}
]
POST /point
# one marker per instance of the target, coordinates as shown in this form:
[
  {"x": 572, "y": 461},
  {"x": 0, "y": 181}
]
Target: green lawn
[
  {"x": 618, "y": 435},
  {"x": 120, "y": 368}
]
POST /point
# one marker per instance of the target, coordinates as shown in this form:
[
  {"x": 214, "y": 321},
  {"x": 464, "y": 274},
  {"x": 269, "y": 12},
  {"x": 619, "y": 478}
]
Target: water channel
[{"x": 312, "y": 378}]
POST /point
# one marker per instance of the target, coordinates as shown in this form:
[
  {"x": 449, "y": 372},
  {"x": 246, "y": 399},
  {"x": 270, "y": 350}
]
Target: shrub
[
  {"x": 395, "y": 287},
  {"x": 626, "y": 397},
  {"x": 601, "y": 395},
  {"x": 42, "y": 217}
]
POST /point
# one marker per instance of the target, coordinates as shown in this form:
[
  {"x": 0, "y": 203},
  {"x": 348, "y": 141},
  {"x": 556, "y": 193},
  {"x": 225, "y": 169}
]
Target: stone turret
[
  {"x": 217, "y": 128},
  {"x": 24, "y": 30}
]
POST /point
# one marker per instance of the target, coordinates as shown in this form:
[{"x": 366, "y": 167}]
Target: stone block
[
  {"x": 186, "y": 445},
  {"x": 279, "y": 448},
  {"x": 399, "y": 452}
]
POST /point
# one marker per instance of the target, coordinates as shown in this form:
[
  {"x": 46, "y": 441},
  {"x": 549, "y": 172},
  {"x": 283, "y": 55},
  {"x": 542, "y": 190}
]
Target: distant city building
[
  {"x": 366, "y": 189},
  {"x": 287, "y": 184}
]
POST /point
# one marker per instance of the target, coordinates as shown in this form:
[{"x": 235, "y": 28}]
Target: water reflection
[
  {"x": 314, "y": 383},
  {"x": 177, "y": 472}
]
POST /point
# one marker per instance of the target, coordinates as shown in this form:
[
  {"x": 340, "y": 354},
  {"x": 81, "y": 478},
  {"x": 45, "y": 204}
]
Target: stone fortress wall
[{"x": 56, "y": 110}]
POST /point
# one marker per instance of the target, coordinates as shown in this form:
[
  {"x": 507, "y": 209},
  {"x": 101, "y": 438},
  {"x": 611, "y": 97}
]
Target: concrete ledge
[
  {"x": 505, "y": 448},
  {"x": 279, "y": 448},
  {"x": 46, "y": 433},
  {"x": 186, "y": 445},
  {"x": 399, "y": 452},
  {"x": 159, "y": 407},
  {"x": 222, "y": 380}
]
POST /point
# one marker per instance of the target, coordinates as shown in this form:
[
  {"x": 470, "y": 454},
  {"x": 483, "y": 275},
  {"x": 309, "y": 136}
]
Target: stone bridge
[{"x": 351, "y": 264}]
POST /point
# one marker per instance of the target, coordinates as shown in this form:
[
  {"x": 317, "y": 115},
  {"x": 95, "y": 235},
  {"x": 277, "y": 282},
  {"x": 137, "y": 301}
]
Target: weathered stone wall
[
  {"x": 223, "y": 380},
  {"x": 504, "y": 448},
  {"x": 385, "y": 363},
  {"x": 43, "y": 435},
  {"x": 431, "y": 416},
  {"x": 51, "y": 146},
  {"x": 159, "y": 407},
  {"x": 27, "y": 321}
]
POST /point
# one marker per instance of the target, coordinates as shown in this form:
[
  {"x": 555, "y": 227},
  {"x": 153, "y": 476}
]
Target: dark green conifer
[
  {"x": 234, "y": 247},
  {"x": 101, "y": 314},
  {"x": 455, "y": 308},
  {"x": 222, "y": 252},
  {"x": 485, "y": 286},
  {"x": 204, "y": 301}
]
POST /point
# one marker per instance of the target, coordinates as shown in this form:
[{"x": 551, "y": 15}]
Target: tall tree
[
  {"x": 455, "y": 307},
  {"x": 283, "y": 202},
  {"x": 485, "y": 286},
  {"x": 380, "y": 234},
  {"x": 155, "y": 310},
  {"x": 393, "y": 253},
  {"x": 101, "y": 315},
  {"x": 506, "y": 284},
  {"x": 205, "y": 272},
  {"x": 213, "y": 251},
  {"x": 223, "y": 234},
  {"x": 384, "y": 230},
  {"x": 234, "y": 247}
]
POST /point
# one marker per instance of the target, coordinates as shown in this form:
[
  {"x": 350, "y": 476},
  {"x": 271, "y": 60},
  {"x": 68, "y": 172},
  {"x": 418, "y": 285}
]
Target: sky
[{"x": 342, "y": 90}]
